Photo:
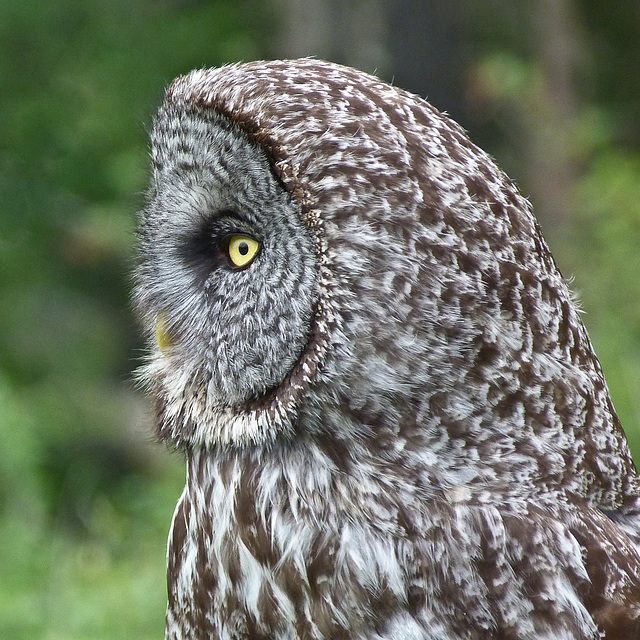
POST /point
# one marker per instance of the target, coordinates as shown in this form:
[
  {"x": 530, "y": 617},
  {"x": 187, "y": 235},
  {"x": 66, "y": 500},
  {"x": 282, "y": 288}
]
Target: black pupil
[{"x": 243, "y": 248}]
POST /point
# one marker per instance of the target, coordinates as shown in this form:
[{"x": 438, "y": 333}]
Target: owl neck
[
  {"x": 315, "y": 481},
  {"x": 278, "y": 521}
]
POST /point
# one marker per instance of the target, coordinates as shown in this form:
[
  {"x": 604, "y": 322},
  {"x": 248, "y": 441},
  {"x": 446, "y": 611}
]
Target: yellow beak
[{"x": 162, "y": 334}]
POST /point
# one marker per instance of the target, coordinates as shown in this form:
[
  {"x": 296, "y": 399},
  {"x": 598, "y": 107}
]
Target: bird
[{"x": 393, "y": 421}]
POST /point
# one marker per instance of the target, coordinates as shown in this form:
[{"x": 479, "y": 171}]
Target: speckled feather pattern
[{"x": 394, "y": 423}]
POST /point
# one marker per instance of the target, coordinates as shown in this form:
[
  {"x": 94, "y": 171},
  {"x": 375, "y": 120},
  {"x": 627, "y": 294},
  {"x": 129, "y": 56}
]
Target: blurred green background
[{"x": 550, "y": 88}]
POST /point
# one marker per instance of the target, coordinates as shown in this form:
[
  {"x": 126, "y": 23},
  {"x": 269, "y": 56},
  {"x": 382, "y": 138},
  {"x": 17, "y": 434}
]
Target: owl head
[{"x": 325, "y": 256}]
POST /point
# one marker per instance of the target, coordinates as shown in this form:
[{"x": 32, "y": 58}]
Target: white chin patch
[{"x": 189, "y": 416}]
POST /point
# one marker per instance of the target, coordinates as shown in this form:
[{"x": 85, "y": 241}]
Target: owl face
[{"x": 228, "y": 277}]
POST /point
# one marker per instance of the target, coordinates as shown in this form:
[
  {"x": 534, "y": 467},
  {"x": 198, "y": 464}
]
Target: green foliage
[
  {"x": 85, "y": 498},
  {"x": 606, "y": 263}
]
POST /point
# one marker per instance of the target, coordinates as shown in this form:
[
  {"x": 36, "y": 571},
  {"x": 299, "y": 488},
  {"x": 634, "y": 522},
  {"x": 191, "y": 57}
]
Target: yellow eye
[
  {"x": 162, "y": 334},
  {"x": 242, "y": 250}
]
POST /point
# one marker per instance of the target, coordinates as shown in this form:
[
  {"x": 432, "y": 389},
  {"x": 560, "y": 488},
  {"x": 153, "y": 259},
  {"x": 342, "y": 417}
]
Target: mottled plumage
[{"x": 394, "y": 423}]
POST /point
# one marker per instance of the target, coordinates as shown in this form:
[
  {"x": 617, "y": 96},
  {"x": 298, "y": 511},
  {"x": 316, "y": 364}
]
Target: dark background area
[{"x": 549, "y": 87}]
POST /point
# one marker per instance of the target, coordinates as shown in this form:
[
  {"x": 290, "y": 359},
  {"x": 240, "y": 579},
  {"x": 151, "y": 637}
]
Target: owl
[{"x": 394, "y": 424}]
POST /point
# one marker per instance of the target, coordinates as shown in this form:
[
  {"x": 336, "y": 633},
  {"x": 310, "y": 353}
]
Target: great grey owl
[{"x": 394, "y": 424}]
